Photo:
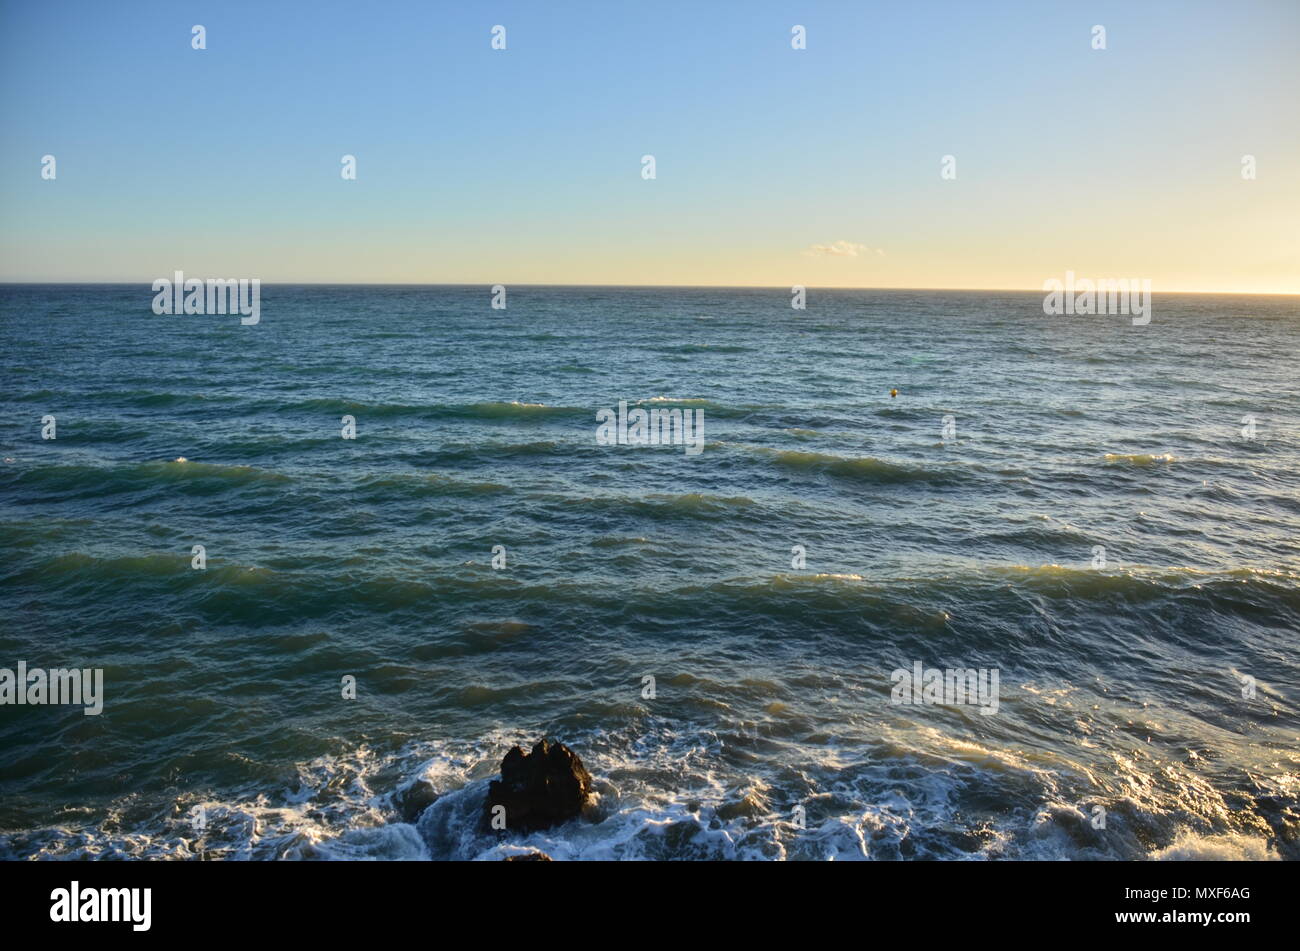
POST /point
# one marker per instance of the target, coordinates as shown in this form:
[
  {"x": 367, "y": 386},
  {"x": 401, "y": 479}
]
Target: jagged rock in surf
[
  {"x": 413, "y": 798},
  {"x": 537, "y": 790}
]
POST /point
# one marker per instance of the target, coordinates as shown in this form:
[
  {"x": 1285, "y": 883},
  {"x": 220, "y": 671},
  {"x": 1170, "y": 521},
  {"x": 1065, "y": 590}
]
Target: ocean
[{"x": 1104, "y": 515}]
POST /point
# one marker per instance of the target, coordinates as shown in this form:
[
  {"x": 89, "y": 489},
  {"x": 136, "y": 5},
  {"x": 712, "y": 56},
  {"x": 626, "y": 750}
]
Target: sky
[{"x": 773, "y": 166}]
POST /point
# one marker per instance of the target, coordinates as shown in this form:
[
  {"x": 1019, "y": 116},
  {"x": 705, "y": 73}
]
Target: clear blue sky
[{"x": 523, "y": 165}]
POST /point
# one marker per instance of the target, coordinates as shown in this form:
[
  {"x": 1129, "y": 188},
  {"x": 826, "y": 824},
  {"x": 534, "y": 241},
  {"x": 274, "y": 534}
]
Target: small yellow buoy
[{"x": 893, "y": 393}]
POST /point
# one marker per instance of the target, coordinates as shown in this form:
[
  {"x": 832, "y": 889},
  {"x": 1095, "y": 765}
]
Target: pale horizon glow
[{"x": 777, "y": 288}]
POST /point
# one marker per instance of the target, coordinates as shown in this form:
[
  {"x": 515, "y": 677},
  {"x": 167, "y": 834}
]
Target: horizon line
[{"x": 772, "y": 287}]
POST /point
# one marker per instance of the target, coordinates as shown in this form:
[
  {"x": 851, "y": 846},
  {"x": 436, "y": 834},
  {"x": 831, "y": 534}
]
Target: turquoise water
[{"x": 1121, "y": 687}]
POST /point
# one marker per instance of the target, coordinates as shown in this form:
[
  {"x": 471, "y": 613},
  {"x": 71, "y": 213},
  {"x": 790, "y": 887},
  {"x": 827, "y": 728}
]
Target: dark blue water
[{"x": 1155, "y": 692}]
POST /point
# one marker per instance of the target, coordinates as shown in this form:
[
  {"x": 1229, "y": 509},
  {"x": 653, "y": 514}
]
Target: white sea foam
[
  {"x": 1189, "y": 846},
  {"x": 662, "y": 794}
]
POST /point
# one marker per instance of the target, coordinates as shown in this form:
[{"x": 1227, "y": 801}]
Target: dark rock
[
  {"x": 413, "y": 799},
  {"x": 540, "y": 789},
  {"x": 530, "y": 857}
]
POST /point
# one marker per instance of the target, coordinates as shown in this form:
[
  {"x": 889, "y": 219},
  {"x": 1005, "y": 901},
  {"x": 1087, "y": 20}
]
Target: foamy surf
[{"x": 660, "y": 795}]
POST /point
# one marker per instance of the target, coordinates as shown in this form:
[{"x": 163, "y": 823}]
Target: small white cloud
[{"x": 841, "y": 249}]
